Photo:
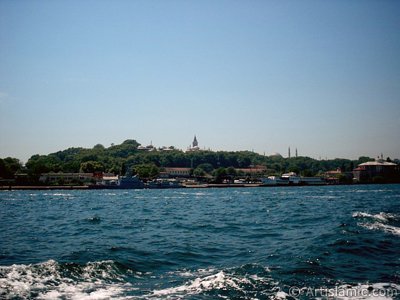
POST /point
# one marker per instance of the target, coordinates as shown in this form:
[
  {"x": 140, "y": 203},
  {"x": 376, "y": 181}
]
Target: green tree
[
  {"x": 146, "y": 171},
  {"x": 199, "y": 172},
  {"x": 219, "y": 175},
  {"x": 206, "y": 167},
  {"x": 91, "y": 167},
  {"x": 230, "y": 171},
  {"x": 98, "y": 147},
  {"x": 8, "y": 167},
  {"x": 363, "y": 159}
]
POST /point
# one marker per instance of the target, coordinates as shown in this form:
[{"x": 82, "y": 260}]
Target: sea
[{"x": 316, "y": 242}]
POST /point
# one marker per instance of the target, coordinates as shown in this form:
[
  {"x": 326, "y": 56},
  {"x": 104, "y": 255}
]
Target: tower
[
  {"x": 289, "y": 152},
  {"x": 195, "y": 143},
  {"x": 296, "y": 152}
]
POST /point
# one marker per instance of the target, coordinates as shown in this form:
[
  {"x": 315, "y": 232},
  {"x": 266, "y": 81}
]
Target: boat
[
  {"x": 291, "y": 178},
  {"x": 164, "y": 184},
  {"x": 123, "y": 182},
  {"x": 130, "y": 182},
  {"x": 274, "y": 180}
]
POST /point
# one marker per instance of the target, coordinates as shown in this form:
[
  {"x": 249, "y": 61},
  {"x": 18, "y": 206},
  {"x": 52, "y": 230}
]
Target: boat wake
[
  {"x": 52, "y": 280},
  {"x": 110, "y": 280},
  {"x": 386, "y": 222},
  {"x": 246, "y": 282}
]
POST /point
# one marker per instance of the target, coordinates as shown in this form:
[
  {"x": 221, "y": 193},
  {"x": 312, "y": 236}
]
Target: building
[
  {"x": 147, "y": 148},
  {"x": 377, "y": 171},
  {"x": 66, "y": 178},
  {"x": 164, "y": 148},
  {"x": 195, "y": 145},
  {"x": 252, "y": 170},
  {"x": 177, "y": 172},
  {"x": 337, "y": 176}
]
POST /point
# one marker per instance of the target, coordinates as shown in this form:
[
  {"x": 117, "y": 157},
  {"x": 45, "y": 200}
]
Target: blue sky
[{"x": 322, "y": 76}]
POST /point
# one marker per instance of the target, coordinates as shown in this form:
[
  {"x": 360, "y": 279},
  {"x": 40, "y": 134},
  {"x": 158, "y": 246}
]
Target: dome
[{"x": 276, "y": 154}]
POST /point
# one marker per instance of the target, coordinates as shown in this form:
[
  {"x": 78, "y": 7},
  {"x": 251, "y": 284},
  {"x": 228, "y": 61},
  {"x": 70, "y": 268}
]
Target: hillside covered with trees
[{"x": 128, "y": 155}]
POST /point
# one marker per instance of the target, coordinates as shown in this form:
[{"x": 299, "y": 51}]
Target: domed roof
[{"x": 276, "y": 154}]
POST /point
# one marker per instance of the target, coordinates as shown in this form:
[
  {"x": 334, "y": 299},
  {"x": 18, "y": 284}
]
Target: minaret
[
  {"x": 296, "y": 152},
  {"x": 289, "y": 152}
]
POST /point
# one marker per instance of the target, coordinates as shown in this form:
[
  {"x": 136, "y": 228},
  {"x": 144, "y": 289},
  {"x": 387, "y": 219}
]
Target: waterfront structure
[
  {"x": 119, "y": 182},
  {"x": 164, "y": 184},
  {"x": 333, "y": 176},
  {"x": 177, "y": 172},
  {"x": 253, "y": 170},
  {"x": 377, "y": 171},
  {"x": 337, "y": 176},
  {"x": 66, "y": 178},
  {"x": 292, "y": 178},
  {"x": 274, "y": 180}
]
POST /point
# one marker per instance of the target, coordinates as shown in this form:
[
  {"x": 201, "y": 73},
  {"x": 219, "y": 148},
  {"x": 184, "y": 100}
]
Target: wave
[
  {"x": 382, "y": 221},
  {"x": 385, "y": 217},
  {"x": 378, "y": 226},
  {"x": 110, "y": 280},
  {"x": 246, "y": 282},
  {"x": 52, "y": 280}
]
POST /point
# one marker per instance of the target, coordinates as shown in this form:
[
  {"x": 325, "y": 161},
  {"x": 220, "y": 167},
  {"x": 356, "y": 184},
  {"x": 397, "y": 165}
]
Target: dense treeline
[{"x": 119, "y": 158}]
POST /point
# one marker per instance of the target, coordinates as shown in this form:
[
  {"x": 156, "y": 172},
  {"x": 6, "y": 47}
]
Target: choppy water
[{"x": 256, "y": 243}]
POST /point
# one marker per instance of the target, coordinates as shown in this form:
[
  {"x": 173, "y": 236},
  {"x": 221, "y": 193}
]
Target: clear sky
[{"x": 322, "y": 76}]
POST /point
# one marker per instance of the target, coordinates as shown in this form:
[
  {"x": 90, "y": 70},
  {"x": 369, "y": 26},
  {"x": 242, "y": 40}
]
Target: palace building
[{"x": 378, "y": 170}]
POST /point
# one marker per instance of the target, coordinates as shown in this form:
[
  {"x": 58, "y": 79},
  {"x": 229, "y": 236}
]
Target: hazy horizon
[{"x": 322, "y": 77}]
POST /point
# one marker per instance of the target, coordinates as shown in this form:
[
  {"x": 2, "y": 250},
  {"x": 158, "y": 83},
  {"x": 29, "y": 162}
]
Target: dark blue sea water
[{"x": 336, "y": 242}]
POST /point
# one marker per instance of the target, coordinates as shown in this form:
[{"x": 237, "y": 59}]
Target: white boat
[
  {"x": 291, "y": 179},
  {"x": 274, "y": 180}
]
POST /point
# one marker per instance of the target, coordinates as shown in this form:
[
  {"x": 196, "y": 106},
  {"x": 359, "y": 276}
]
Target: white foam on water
[
  {"x": 58, "y": 194},
  {"x": 383, "y": 227},
  {"x": 242, "y": 192},
  {"x": 198, "y": 285},
  {"x": 110, "y": 194},
  {"x": 376, "y": 291},
  {"x": 220, "y": 280},
  {"x": 45, "y": 281},
  {"x": 85, "y": 291},
  {"x": 382, "y": 217},
  {"x": 369, "y": 191},
  {"x": 210, "y": 279},
  {"x": 323, "y": 197},
  {"x": 200, "y": 194},
  {"x": 378, "y": 221},
  {"x": 281, "y": 295},
  {"x": 188, "y": 273}
]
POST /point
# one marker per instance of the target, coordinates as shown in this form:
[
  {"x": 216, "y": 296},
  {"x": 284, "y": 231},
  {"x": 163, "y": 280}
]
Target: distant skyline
[{"x": 319, "y": 76}]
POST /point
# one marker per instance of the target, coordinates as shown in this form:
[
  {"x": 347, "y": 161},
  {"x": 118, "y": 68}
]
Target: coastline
[
  {"x": 209, "y": 185},
  {"x": 46, "y": 187}
]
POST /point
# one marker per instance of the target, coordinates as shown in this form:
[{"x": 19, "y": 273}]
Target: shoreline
[
  {"x": 201, "y": 186},
  {"x": 45, "y": 187}
]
